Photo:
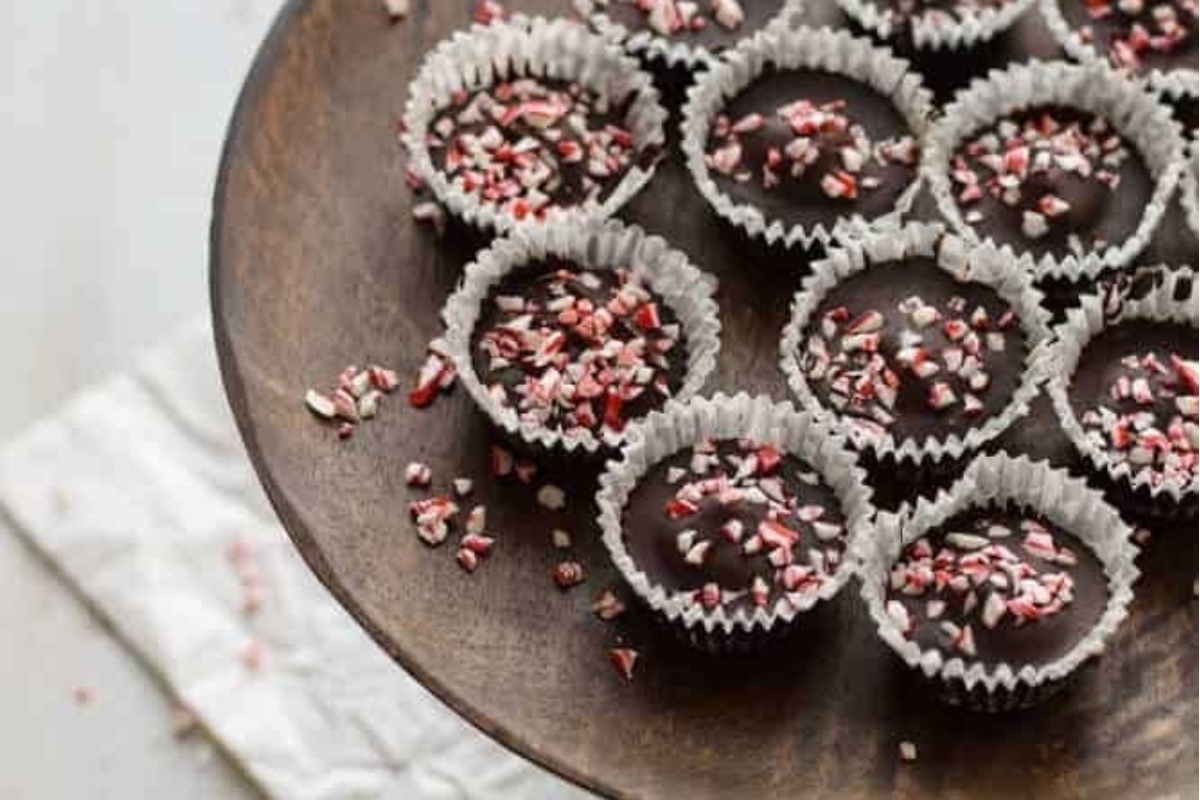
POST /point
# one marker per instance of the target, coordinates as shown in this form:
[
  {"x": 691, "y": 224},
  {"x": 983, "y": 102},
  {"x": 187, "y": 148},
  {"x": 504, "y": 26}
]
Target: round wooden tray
[{"x": 316, "y": 263}]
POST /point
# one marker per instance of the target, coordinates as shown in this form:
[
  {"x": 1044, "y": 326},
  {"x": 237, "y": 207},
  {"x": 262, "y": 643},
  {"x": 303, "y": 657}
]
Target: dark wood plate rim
[{"x": 231, "y": 378}]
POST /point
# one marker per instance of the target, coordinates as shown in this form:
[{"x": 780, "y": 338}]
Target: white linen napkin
[{"x": 136, "y": 490}]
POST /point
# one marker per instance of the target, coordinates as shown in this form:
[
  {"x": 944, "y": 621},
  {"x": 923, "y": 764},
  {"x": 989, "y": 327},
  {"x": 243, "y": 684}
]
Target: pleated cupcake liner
[
  {"x": 940, "y": 31},
  {"x": 1134, "y": 113},
  {"x": 1176, "y": 299},
  {"x": 594, "y": 245},
  {"x": 682, "y": 424},
  {"x": 994, "y": 481},
  {"x": 803, "y": 48},
  {"x": 534, "y": 48},
  {"x": 983, "y": 264}
]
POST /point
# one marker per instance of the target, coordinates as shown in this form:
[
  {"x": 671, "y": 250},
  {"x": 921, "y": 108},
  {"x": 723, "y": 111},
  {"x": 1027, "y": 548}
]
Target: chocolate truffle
[
  {"x": 808, "y": 148},
  {"x": 713, "y": 25},
  {"x": 995, "y": 586},
  {"x": 1055, "y": 181},
  {"x": 1137, "y": 35},
  {"x": 534, "y": 144},
  {"x": 575, "y": 349},
  {"x": 1134, "y": 393},
  {"x": 906, "y": 348},
  {"x": 734, "y": 524}
]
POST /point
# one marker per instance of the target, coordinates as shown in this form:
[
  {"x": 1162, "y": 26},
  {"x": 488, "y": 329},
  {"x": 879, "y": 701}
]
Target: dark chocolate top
[
  {"x": 534, "y": 144},
  {"x": 997, "y": 585},
  {"x": 1134, "y": 393},
  {"x": 1138, "y": 35},
  {"x": 884, "y": 338},
  {"x": 572, "y": 348},
  {"x": 1051, "y": 181},
  {"x": 747, "y": 515},
  {"x": 702, "y": 27},
  {"x": 809, "y": 147}
]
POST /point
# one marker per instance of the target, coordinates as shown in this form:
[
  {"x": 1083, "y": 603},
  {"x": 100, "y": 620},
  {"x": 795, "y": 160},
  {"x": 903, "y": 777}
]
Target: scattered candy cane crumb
[
  {"x": 908, "y": 751},
  {"x": 1142, "y": 535},
  {"x": 561, "y": 539},
  {"x": 242, "y": 560},
  {"x": 623, "y": 659},
  {"x": 354, "y": 399},
  {"x": 436, "y": 375},
  {"x": 608, "y": 606},
  {"x": 568, "y": 574},
  {"x": 552, "y": 497},
  {"x": 397, "y": 9},
  {"x": 463, "y": 486},
  {"x": 184, "y": 721},
  {"x": 83, "y": 695},
  {"x": 418, "y": 474}
]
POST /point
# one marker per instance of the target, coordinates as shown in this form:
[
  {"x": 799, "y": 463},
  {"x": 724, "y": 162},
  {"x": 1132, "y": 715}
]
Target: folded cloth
[{"x": 139, "y": 490}]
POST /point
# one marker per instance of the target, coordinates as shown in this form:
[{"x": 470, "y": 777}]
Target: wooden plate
[{"x": 316, "y": 263}]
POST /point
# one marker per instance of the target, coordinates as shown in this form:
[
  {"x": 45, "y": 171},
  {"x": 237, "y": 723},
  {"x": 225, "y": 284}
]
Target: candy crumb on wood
[
  {"x": 397, "y": 9},
  {"x": 623, "y": 660},
  {"x": 568, "y": 574},
  {"x": 908, "y": 751}
]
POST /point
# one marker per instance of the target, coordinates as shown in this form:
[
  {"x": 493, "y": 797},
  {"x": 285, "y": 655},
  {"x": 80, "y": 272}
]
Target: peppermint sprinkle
[
  {"x": 1149, "y": 418},
  {"x": 1028, "y": 165},
  {"x": 825, "y": 146},
  {"x": 529, "y": 146},
  {"x": 970, "y": 580},
  {"x": 580, "y": 351}
]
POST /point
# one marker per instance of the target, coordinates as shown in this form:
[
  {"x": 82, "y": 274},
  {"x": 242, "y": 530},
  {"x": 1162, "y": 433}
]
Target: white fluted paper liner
[
  {"x": 595, "y": 245},
  {"x": 995, "y": 480},
  {"x": 681, "y": 425},
  {"x": 528, "y": 47},
  {"x": 1071, "y": 337},
  {"x": 1188, "y": 188},
  {"x": 819, "y": 49},
  {"x": 980, "y": 263},
  {"x": 1133, "y": 112},
  {"x": 941, "y": 31},
  {"x": 1174, "y": 83},
  {"x": 651, "y": 46}
]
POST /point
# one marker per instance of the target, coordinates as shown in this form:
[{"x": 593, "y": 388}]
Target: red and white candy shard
[
  {"x": 623, "y": 660},
  {"x": 596, "y": 351},
  {"x": 829, "y": 149},
  {"x": 417, "y": 474},
  {"x": 681, "y": 17},
  {"x": 972, "y": 576},
  {"x": 861, "y": 363},
  {"x": 1149, "y": 417},
  {"x": 1011, "y": 164},
  {"x": 608, "y": 606},
  {"x": 355, "y": 397},
  {"x": 528, "y": 147},
  {"x": 568, "y": 574},
  {"x": 794, "y": 544},
  {"x": 1136, "y": 31}
]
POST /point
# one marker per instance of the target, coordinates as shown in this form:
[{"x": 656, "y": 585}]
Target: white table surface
[{"x": 114, "y": 116}]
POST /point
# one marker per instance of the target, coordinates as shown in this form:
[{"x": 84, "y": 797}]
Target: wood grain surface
[{"x": 316, "y": 263}]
